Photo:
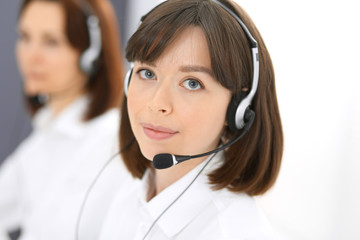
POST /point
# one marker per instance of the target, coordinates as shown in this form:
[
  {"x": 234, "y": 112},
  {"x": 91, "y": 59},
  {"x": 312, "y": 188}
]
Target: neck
[
  {"x": 58, "y": 102},
  {"x": 165, "y": 177}
]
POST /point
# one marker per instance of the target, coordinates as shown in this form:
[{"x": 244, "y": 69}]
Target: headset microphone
[
  {"x": 166, "y": 160},
  {"x": 39, "y": 99}
]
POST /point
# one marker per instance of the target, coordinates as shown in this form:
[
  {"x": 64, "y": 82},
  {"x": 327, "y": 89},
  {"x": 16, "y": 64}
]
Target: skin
[
  {"x": 47, "y": 61},
  {"x": 176, "y": 105}
]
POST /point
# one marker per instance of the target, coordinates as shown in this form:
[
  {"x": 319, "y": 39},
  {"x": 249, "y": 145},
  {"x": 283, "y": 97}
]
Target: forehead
[
  {"x": 43, "y": 16},
  {"x": 189, "y": 47}
]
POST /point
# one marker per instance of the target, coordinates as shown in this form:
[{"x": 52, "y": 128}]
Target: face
[
  {"x": 47, "y": 62},
  {"x": 175, "y": 104}
]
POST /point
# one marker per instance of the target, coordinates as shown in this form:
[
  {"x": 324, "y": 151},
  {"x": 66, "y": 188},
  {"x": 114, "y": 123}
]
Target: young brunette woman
[
  {"x": 69, "y": 55},
  {"x": 202, "y": 80}
]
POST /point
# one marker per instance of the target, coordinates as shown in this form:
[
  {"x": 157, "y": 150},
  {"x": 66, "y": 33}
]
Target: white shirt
[
  {"x": 200, "y": 213},
  {"x": 43, "y": 183}
]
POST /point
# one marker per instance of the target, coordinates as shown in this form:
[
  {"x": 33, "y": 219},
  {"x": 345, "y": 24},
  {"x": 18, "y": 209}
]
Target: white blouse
[
  {"x": 200, "y": 213},
  {"x": 43, "y": 183}
]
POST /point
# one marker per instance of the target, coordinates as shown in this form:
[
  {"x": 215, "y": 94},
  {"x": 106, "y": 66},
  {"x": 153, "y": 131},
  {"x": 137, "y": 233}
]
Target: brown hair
[
  {"x": 252, "y": 164},
  {"x": 105, "y": 86}
]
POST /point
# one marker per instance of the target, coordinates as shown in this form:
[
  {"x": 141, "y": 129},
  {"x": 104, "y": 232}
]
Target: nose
[{"x": 161, "y": 101}]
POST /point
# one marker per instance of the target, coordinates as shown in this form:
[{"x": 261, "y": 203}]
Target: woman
[
  {"x": 69, "y": 55},
  {"x": 196, "y": 63}
]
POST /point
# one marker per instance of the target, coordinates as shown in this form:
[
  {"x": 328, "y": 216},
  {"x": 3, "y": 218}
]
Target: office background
[
  {"x": 315, "y": 49},
  {"x": 15, "y": 123}
]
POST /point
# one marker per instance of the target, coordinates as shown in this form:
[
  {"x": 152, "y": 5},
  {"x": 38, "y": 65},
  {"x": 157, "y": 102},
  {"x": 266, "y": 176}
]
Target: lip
[{"x": 157, "y": 132}]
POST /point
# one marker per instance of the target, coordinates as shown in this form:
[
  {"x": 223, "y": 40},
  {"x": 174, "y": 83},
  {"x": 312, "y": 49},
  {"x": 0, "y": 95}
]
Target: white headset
[{"x": 89, "y": 57}]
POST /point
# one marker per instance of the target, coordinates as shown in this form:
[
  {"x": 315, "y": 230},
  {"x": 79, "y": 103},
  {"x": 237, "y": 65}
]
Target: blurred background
[{"x": 315, "y": 49}]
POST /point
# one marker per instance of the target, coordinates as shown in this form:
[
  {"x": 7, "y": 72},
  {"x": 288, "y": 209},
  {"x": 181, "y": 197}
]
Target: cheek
[
  {"x": 64, "y": 63},
  {"x": 205, "y": 122},
  {"x": 133, "y": 105},
  {"x": 20, "y": 57},
  {"x": 62, "y": 72},
  {"x": 137, "y": 99}
]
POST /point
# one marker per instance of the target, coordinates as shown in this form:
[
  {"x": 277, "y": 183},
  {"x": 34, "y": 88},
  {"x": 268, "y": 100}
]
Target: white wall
[
  {"x": 314, "y": 45},
  {"x": 135, "y": 10}
]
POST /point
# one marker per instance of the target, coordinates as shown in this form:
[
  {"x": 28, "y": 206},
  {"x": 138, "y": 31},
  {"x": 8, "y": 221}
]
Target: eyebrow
[
  {"x": 196, "y": 68},
  {"x": 47, "y": 33},
  {"x": 189, "y": 68}
]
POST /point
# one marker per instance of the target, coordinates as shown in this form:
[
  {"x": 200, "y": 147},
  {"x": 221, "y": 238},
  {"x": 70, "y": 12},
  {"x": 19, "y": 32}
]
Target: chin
[
  {"x": 149, "y": 153},
  {"x": 148, "y": 156},
  {"x": 31, "y": 91}
]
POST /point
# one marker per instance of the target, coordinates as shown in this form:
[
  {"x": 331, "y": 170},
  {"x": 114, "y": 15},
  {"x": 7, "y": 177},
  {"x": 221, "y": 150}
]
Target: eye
[
  {"x": 146, "y": 74},
  {"x": 51, "y": 42},
  {"x": 23, "y": 37},
  {"x": 192, "y": 84}
]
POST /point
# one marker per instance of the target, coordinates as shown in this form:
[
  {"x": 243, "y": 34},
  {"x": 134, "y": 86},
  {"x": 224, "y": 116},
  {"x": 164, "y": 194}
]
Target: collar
[
  {"x": 69, "y": 122},
  {"x": 189, "y": 205}
]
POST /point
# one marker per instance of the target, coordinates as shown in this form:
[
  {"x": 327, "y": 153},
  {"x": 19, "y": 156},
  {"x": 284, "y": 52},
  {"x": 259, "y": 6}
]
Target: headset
[
  {"x": 89, "y": 57},
  {"x": 237, "y": 112}
]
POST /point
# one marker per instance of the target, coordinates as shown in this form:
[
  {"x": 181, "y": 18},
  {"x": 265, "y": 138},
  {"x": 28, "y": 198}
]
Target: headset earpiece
[
  {"x": 232, "y": 109},
  {"x": 89, "y": 57},
  {"x": 127, "y": 79}
]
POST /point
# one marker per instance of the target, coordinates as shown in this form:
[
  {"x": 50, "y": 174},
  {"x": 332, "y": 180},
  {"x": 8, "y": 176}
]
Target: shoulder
[
  {"x": 123, "y": 205},
  {"x": 104, "y": 130},
  {"x": 108, "y": 121},
  {"x": 240, "y": 217},
  {"x": 22, "y": 150}
]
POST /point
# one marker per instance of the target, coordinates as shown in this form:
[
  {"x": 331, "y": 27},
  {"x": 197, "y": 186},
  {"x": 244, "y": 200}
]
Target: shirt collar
[
  {"x": 189, "y": 205},
  {"x": 69, "y": 122}
]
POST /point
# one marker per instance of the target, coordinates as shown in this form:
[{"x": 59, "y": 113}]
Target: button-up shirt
[
  {"x": 43, "y": 183},
  {"x": 200, "y": 213}
]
